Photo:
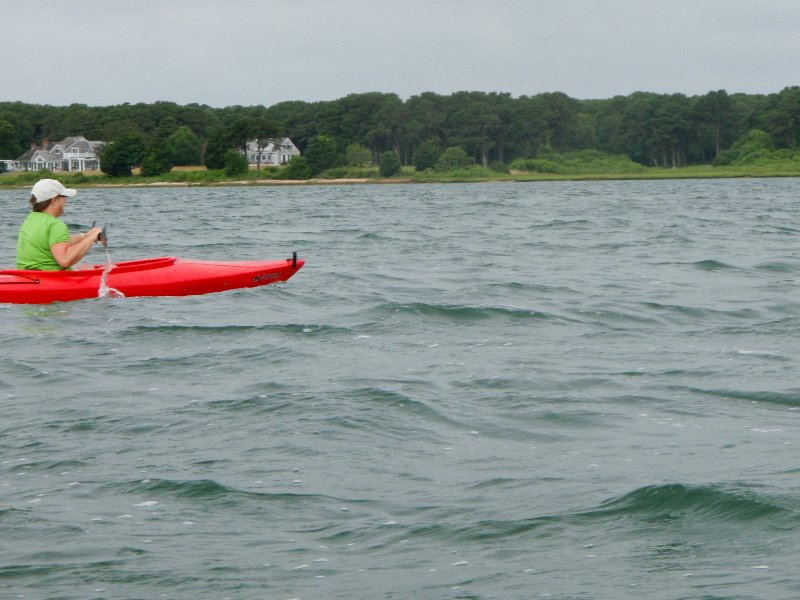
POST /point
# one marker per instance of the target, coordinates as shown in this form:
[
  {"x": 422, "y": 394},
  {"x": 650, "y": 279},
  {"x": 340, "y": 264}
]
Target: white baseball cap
[{"x": 46, "y": 189}]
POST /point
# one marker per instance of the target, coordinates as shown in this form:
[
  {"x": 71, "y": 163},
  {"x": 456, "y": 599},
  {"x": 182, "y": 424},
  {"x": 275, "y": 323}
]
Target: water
[{"x": 551, "y": 390}]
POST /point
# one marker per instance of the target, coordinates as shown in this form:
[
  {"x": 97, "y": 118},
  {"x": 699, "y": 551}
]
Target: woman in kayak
[{"x": 44, "y": 242}]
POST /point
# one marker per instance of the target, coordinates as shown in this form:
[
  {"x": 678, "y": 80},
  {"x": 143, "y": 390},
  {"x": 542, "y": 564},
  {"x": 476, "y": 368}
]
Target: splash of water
[{"x": 105, "y": 291}]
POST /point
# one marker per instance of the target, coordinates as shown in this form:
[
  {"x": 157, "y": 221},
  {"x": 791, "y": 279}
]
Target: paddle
[
  {"x": 104, "y": 290},
  {"x": 102, "y": 237}
]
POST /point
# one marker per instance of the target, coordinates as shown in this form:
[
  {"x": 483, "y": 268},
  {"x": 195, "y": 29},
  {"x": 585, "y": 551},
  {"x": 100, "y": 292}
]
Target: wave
[
  {"x": 677, "y": 501},
  {"x": 789, "y": 398},
  {"x": 460, "y": 312},
  {"x": 173, "y": 329},
  {"x": 566, "y": 224},
  {"x": 700, "y": 313},
  {"x": 778, "y": 267},
  {"x": 383, "y": 412},
  {"x": 616, "y": 318},
  {"x": 210, "y": 491},
  {"x": 209, "y": 330},
  {"x": 559, "y": 292},
  {"x": 712, "y": 265},
  {"x": 664, "y": 504},
  {"x": 277, "y": 403}
]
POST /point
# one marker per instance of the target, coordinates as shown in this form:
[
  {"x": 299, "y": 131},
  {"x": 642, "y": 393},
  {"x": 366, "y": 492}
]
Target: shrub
[
  {"x": 578, "y": 163},
  {"x": 235, "y": 163},
  {"x": 426, "y": 155},
  {"x": 357, "y": 155},
  {"x": 156, "y": 162},
  {"x": 218, "y": 145},
  {"x": 321, "y": 154},
  {"x": 453, "y": 158},
  {"x": 297, "y": 169},
  {"x": 389, "y": 164},
  {"x": 499, "y": 167}
]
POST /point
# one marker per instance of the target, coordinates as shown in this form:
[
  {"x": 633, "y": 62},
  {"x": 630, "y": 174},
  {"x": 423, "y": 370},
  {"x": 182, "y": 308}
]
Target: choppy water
[{"x": 560, "y": 390}]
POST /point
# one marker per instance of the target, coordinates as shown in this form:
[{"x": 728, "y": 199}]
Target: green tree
[
  {"x": 157, "y": 161},
  {"x": 747, "y": 149},
  {"x": 76, "y": 119},
  {"x": 357, "y": 155},
  {"x": 183, "y": 147},
  {"x": 297, "y": 169},
  {"x": 507, "y": 118},
  {"x": 9, "y": 141},
  {"x": 672, "y": 130},
  {"x": 114, "y": 130},
  {"x": 235, "y": 163},
  {"x": 560, "y": 114},
  {"x": 452, "y": 159},
  {"x": 528, "y": 136},
  {"x": 426, "y": 155},
  {"x": 782, "y": 118},
  {"x": 713, "y": 117},
  {"x": 373, "y": 119},
  {"x": 389, "y": 164},
  {"x": 426, "y": 120},
  {"x": 117, "y": 159},
  {"x": 218, "y": 144},
  {"x": 167, "y": 126},
  {"x": 322, "y": 154},
  {"x": 114, "y": 161},
  {"x": 473, "y": 123}
]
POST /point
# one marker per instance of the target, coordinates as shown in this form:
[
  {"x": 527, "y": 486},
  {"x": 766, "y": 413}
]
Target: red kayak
[{"x": 162, "y": 276}]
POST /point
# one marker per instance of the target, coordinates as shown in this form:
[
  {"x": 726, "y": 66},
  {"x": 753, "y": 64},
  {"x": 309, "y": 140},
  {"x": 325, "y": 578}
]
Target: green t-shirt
[{"x": 37, "y": 235}]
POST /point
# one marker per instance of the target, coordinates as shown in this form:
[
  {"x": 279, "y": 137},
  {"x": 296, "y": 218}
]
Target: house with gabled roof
[
  {"x": 267, "y": 153},
  {"x": 78, "y": 153},
  {"x": 70, "y": 154},
  {"x": 38, "y": 159}
]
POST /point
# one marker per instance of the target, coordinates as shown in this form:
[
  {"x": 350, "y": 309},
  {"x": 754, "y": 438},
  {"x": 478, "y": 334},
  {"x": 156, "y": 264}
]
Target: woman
[{"x": 44, "y": 242}]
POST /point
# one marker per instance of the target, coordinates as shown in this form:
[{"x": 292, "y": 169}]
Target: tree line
[{"x": 660, "y": 130}]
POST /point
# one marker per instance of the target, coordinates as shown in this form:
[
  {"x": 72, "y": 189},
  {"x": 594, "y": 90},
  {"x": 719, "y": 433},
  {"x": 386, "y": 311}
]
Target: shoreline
[
  {"x": 410, "y": 181},
  {"x": 505, "y": 178}
]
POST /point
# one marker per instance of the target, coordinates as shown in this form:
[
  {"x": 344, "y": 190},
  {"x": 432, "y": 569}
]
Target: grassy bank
[{"x": 203, "y": 177}]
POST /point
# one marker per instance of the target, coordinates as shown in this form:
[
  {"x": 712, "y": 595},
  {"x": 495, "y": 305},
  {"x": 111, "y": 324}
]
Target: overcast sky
[{"x": 235, "y": 52}]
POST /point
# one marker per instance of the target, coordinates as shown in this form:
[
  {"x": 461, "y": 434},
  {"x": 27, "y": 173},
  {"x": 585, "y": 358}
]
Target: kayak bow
[{"x": 161, "y": 276}]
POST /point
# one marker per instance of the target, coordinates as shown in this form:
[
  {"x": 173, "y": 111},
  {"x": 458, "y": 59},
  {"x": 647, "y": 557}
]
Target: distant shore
[{"x": 186, "y": 179}]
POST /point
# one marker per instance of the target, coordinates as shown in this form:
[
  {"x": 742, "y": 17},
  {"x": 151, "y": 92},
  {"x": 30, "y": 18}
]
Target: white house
[
  {"x": 270, "y": 154},
  {"x": 70, "y": 154},
  {"x": 78, "y": 153},
  {"x": 37, "y": 159}
]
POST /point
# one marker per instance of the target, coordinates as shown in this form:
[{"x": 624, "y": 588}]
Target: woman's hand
[{"x": 94, "y": 234}]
